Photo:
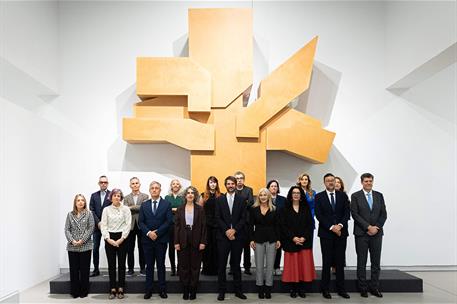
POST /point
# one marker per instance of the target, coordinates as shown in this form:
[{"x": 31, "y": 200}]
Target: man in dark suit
[
  {"x": 98, "y": 201},
  {"x": 332, "y": 211},
  {"x": 248, "y": 197},
  {"x": 134, "y": 201},
  {"x": 230, "y": 216},
  {"x": 369, "y": 213},
  {"x": 155, "y": 219}
]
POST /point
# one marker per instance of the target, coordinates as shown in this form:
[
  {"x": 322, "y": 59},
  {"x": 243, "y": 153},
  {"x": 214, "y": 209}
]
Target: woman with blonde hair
[
  {"x": 264, "y": 236},
  {"x": 176, "y": 200},
  {"x": 79, "y": 227}
]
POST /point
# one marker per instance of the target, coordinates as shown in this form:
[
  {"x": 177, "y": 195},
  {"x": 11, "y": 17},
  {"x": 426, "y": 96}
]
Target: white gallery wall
[{"x": 76, "y": 66}]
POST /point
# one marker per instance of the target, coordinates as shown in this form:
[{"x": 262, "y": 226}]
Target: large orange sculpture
[{"x": 196, "y": 102}]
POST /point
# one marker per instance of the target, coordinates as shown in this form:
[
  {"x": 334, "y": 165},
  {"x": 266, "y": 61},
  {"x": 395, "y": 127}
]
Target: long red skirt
[{"x": 299, "y": 266}]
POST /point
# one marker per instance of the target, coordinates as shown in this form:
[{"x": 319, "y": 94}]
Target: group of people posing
[{"x": 207, "y": 230}]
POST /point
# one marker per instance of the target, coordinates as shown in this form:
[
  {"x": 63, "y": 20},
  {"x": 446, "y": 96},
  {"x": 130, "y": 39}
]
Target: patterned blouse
[
  {"x": 116, "y": 219},
  {"x": 79, "y": 228}
]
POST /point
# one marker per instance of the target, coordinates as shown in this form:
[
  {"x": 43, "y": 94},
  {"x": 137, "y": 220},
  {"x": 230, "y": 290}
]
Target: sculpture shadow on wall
[{"x": 163, "y": 158}]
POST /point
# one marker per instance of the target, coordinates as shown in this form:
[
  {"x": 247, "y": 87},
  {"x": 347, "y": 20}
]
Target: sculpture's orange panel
[
  {"x": 221, "y": 41},
  {"x": 174, "y": 76}
]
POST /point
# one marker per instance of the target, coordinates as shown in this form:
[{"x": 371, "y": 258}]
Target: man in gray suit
[
  {"x": 134, "y": 201},
  {"x": 369, "y": 213}
]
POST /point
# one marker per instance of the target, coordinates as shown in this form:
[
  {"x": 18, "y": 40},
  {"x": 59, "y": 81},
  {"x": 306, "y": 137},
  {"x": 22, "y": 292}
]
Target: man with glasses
[
  {"x": 246, "y": 193},
  {"x": 332, "y": 211},
  {"x": 98, "y": 201}
]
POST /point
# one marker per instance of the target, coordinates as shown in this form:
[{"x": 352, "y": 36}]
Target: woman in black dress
[{"x": 208, "y": 201}]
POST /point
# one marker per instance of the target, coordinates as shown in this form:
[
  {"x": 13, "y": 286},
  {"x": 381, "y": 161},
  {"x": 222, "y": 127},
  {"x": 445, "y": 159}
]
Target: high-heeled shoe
[
  {"x": 120, "y": 293},
  {"x": 112, "y": 294}
]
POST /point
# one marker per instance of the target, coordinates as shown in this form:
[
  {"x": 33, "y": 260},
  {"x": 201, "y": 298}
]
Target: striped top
[{"x": 79, "y": 228}]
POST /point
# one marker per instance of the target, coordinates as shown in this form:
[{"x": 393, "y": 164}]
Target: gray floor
[{"x": 439, "y": 287}]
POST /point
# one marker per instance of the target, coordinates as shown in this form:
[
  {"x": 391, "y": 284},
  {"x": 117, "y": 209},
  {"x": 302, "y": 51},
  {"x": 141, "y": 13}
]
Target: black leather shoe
[
  {"x": 130, "y": 272},
  {"x": 376, "y": 293},
  {"x": 302, "y": 294},
  {"x": 94, "y": 273},
  {"x": 247, "y": 271},
  {"x": 240, "y": 295},
  {"x": 344, "y": 294},
  {"x": 163, "y": 295},
  {"x": 364, "y": 294},
  {"x": 147, "y": 295},
  {"x": 326, "y": 295},
  {"x": 221, "y": 296}
]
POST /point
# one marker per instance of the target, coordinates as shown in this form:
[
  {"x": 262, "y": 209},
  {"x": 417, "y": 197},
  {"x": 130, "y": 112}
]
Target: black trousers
[
  {"x": 234, "y": 248},
  {"x": 277, "y": 264},
  {"x": 171, "y": 247},
  {"x": 189, "y": 263},
  {"x": 111, "y": 254},
  {"x": 97, "y": 236},
  {"x": 373, "y": 244},
  {"x": 154, "y": 252},
  {"x": 79, "y": 272},
  {"x": 135, "y": 235},
  {"x": 333, "y": 248},
  {"x": 209, "y": 258}
]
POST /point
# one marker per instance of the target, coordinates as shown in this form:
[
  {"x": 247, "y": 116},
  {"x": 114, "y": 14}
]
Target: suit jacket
[
  {"x": 198, "y": 227},
  {"x": 135, "y": 210},
  {"x": 161, "y": 221},
  {"x": 236, "y": 220},
  {"x": 363, "y": 216},
  {"x": 280, "y": 202},
  {"x": 247, "y": 195},
  {"x": 327, "y": 217},
  {"x": 96, "y": 206},
  {"x": 296, "y": 224}
]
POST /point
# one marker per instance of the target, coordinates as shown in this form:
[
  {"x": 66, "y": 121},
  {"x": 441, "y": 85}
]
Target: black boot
[
  {"x": 260, "y": 291},
  {"x": 193, "y": 293},
  {"x": 185, "y": 294},
  {"x": 268, "y": 292},
  {"x": 293, "y": 290}
]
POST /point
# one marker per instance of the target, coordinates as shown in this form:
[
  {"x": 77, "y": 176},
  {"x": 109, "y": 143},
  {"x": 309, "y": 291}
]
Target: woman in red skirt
[{"x": 296, "y": 230}]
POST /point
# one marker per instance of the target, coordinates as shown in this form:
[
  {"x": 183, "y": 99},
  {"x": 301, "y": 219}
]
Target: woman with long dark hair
[
  {"x": 297, "y": 228},
  {"x": 208, "y": 201}
]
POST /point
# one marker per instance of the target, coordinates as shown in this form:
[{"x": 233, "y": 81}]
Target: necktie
[
  {"x": 332, "y": 200},
  {"x": 370, "y": 200},
  {"x": 154, "y": 208}
]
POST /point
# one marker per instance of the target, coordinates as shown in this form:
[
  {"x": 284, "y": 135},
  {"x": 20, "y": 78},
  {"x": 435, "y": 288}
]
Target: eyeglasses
[{"x": 102, "y": 182}]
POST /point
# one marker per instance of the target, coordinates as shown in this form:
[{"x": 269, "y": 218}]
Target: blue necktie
[
  {"x": 154, "y": 208},
  {"x": 370, "y": 200},
  {"x": 332, "y": 200}
]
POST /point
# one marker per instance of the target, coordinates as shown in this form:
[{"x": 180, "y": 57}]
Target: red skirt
[{"x": 299, "y": 266}]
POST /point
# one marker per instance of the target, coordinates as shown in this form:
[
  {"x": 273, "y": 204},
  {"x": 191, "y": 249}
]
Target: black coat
[{"x": 296, "y": 224}]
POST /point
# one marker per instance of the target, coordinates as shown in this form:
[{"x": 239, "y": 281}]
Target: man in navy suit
[
  {"x": 98, "y": 201},
  {"x": 369, "y": 213},
  {"x": 230, "y": 217},
  {"x": 155, "y": 219},
  {"x": 332, "y": 211}
]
